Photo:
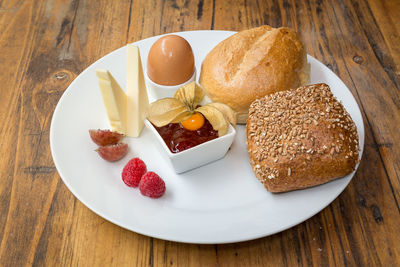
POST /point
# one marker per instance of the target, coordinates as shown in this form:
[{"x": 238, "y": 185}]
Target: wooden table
[{"x": 44, "y": 45}]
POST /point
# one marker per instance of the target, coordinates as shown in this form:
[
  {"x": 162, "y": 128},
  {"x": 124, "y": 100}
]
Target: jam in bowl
[
  {"x": 191, "y": 152},
  {"x": 178, "y": 139}
]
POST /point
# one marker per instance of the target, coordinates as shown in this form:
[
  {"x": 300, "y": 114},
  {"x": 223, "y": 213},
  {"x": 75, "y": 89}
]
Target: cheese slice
[
  {"x": 136, "y": 92},
  {"x": 114, "y": 99}
]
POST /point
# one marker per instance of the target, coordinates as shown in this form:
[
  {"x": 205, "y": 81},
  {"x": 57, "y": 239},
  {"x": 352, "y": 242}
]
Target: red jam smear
[{"x": 179, "y": 139}]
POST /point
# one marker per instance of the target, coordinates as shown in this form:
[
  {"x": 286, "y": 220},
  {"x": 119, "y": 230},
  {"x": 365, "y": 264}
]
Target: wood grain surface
[{"x": 44, "y": 45}]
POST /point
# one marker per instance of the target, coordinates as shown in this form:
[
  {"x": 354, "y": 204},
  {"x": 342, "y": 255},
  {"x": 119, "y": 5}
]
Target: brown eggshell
[{"x": 170, "y": 61}]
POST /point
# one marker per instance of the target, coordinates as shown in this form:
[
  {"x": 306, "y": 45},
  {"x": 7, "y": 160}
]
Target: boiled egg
[{"x": 170, "y": 61}]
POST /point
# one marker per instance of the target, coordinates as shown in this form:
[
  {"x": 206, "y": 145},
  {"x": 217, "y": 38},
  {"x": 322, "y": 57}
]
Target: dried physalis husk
[
  {"x": 182, "y": 116},
  {"x": 183, "y": 105},
  {"x": 229, "y": 114},
  {"x": 216, "y": 118},
  {"x": 165, "y": 110},
  {"x": 191, "y": 94}
]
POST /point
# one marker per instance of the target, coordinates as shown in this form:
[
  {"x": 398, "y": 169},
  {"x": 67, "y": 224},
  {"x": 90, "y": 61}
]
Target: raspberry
[
  {"x": 133, "y": 172},
  {"x": 152, "y": 185}
]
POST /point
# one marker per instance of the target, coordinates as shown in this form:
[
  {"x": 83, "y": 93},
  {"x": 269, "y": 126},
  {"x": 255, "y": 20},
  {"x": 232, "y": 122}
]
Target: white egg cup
[
  {"x": 197, "y": 156},
  {"x": 158, "y": 91}
]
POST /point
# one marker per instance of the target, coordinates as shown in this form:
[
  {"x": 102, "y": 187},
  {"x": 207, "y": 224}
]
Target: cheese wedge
[
  {"x": 114, "y": 99},
  {"x": 136, "y": 92}
]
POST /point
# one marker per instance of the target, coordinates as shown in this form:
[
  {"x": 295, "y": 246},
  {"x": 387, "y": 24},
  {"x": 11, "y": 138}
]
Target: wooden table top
[{"x": 44, "y": 45}]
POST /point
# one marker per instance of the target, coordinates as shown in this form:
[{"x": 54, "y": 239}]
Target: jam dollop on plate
[{"x": 179, "y": 139}]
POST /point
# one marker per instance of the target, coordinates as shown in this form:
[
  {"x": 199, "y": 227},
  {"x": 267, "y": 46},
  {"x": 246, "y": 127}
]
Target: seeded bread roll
[
  {"x": 253, "y": 63},
  {"x": 300, "y": 138}
]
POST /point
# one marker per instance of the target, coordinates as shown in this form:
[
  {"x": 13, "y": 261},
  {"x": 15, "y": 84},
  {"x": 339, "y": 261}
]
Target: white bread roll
[{"x": 253, "y": 63}]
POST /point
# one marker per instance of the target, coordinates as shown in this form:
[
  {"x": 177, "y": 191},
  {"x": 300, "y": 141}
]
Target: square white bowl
[{"x": 196, "y": 156}]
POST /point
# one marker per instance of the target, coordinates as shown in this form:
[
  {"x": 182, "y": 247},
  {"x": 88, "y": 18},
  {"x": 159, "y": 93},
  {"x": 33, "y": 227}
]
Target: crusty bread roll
[
  {"x": 300, "y": 138},
  {"x": 252, "y": 63}
]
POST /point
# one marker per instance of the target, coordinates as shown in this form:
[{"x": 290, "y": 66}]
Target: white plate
[{"x": 221, "y": 202}]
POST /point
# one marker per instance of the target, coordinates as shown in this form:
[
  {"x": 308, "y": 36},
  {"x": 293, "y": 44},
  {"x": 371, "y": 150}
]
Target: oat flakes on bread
[
  {"x": 252, "y": 63},
  {"x": 300, "y": 138}
]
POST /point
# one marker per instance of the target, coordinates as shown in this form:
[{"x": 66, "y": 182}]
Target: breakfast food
[
  {"x": 300, "y": 138},
  {"x": 110, "y": 147},
  {"x": 183, "y": 123},
  {"x": 253, "y": 63},
  {"x": 114, "y": 100},
  {"x": 151, "y": 185},
  {"x": 136, "y": 93},
  {"x": 113, "y": 152},
  {"x": 194, "y": 122},
  {"x": 125, "y": 111},
  {"x": 105, "y": 137},
  {"x": 178, "y": 138},
  {"x": 133, "y": 172},
  {"x": 297, "y": 138},
  {"x": 174, "y": 122},
  {"x": 170, "y": 61},
  {"x": 185, "y": 105}
]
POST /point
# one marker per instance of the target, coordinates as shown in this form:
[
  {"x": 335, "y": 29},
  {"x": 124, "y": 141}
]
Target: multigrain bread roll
[
  {"x": 300, "y": 138},
  {"x": 253, "y": 63}
]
